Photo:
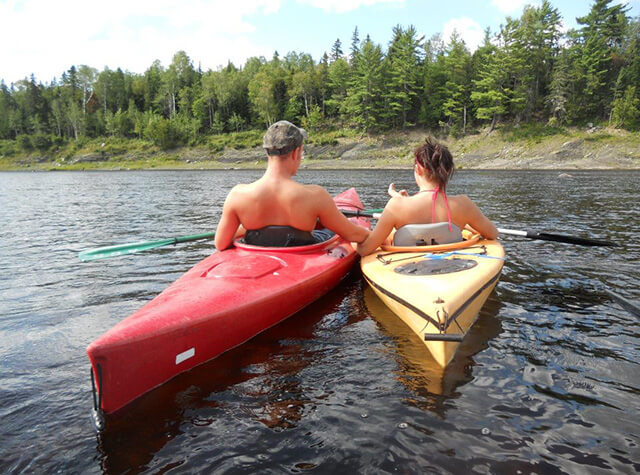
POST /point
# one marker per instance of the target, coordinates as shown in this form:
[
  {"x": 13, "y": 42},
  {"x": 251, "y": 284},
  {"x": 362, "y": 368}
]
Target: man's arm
[
  {"x": 228, "y": 224},
  {"x": 383, "y": 228},
  {"x": 331, "y": 218}
]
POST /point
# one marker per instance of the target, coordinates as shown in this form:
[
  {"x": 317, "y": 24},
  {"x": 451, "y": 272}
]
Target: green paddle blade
[{"x": 123, "y": 249}]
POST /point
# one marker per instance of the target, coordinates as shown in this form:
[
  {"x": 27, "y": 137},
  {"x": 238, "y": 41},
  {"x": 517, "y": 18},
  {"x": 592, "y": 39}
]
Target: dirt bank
[{"x": 594, "y": 148}]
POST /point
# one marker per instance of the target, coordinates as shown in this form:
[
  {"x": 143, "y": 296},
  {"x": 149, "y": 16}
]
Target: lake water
[{"x": 547, "y": 381}]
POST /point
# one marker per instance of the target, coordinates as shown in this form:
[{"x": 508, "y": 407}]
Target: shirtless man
[{"x": 277, "y": 200}]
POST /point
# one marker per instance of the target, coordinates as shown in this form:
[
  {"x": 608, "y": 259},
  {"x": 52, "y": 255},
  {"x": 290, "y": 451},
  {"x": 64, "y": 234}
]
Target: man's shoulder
[
  {"x": 316, "y": 189},
  {"x": 242, "y": 188},
  {"x": 317, "y": 194}
]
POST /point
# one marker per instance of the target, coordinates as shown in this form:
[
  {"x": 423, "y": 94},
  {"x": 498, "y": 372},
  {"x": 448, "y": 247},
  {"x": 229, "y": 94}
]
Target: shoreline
[{"x": 574, "y": 149}]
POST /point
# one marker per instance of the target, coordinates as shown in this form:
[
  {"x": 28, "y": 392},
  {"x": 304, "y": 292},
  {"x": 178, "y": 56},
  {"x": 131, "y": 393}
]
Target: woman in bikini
[{"x": 433, "y": 166}]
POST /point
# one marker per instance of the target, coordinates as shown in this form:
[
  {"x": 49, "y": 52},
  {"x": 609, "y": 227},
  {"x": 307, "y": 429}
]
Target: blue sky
[{"x": 45, "y": 38}]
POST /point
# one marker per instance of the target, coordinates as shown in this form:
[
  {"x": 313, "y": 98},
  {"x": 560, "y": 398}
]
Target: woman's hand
[{"x": 393, "y": 193}]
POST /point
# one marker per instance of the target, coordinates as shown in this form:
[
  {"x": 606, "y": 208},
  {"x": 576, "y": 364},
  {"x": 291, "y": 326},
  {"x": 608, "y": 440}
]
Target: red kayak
[{"x": 220, "y": 303}]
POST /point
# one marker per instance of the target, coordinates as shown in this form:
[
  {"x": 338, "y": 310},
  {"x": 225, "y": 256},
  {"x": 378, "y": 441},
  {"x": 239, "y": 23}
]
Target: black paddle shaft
[{"x": 569, "y": 239}]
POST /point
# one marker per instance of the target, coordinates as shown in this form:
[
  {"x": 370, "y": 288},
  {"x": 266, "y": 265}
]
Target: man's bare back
[{"x": 276, "y": 199}]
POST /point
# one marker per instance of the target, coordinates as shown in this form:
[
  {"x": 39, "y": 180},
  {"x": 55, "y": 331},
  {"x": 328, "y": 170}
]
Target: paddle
[
  {"x": 122, "y": 249},
  {"x": 628, "y": 305},
  {"x": 131, "y": 248},
  {"x": 581, "y": 241}
]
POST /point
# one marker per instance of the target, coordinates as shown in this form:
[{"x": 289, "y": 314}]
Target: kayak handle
[{"x": 443, "y": 337}]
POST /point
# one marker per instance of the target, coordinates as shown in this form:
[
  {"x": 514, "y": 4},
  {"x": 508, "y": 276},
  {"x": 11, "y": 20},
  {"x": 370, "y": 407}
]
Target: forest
[{"x": 530, "y": 71}]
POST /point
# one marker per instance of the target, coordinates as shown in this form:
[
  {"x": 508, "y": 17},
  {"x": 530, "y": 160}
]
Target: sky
[{"x": 46, "y": 37}]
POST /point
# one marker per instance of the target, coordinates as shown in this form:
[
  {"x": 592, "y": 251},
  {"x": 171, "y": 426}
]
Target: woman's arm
[{"x": 470, "y": 215}]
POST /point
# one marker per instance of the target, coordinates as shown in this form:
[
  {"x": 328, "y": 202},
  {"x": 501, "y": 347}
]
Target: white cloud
[
  {"x": 470, "y": 31},
  {"x": 47, "y": 37},
  {"x": 342, "y": 6}
]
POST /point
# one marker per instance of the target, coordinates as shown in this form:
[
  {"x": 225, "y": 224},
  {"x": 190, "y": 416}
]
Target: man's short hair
[{"x": 283, "y": 138}]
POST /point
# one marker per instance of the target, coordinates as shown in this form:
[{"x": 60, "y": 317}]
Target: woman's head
[{"x": 436, "y": 161}]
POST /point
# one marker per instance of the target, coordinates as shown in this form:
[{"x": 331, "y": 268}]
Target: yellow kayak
[{"x": 438, "y": 290}]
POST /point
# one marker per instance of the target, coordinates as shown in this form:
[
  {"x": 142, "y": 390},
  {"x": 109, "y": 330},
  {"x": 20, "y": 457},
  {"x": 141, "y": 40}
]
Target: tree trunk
[
  {"x": 464, "y": 120},
  {"x": 493, "y": 123}
]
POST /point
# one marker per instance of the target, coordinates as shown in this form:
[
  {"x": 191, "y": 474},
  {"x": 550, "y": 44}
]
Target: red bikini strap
[{"x": 446, "y": 205}]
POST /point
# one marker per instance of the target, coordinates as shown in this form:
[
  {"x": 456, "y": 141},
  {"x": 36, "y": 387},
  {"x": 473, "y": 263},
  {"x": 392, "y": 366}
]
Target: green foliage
[
  {"x": 626, "y": 110},
  {"x": 8, "y": 148},
  {"x": 236, "y": 122},
  {"x": 315, "y": 120},
  {"x": 163, "y": 132},
  {"x": 529, "y": 71},
  {"x": 41, "y": 142},
  {"x": 364, "y": 104},
  {"x": 24, "y": 141},
  {"x": 119, "y": 124},
  {"x": 533, "y": 132},
  {"x": 235, "y": 140}
]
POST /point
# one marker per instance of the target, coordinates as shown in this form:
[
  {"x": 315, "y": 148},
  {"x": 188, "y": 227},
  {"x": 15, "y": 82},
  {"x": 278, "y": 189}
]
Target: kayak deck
[{"x": 438, "y": 295}]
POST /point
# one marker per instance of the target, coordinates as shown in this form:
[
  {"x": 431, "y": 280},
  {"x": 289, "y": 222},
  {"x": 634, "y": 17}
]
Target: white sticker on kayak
[{"x": 185, "y": 355}]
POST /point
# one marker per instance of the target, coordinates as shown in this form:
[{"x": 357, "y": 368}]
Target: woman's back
[{"x": 433, "y": 167}]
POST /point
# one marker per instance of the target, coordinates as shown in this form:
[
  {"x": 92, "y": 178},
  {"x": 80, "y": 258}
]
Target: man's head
[{"x": 282, "y": 138}]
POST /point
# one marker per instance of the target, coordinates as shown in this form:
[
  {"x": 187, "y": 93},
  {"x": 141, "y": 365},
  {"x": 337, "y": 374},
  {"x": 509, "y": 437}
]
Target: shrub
[
  {"x": 533, "y": 131},
  {"x": 163, "y": 132},
  {"x": 24, "y": 141},
  {"x": 8, "y": 148},
  {"x": 41, "y": 142},
  {"x": 626, "y": 110}
]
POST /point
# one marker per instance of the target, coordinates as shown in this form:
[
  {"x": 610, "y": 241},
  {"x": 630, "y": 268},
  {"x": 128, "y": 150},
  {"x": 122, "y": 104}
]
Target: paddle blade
[
  {"x": 628, "y": 305},
  {"x": 580, "y": 241}
]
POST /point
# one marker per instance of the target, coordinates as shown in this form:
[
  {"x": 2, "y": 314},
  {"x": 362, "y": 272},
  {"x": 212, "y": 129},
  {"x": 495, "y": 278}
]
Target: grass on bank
[{"x": 389, "y": 149}]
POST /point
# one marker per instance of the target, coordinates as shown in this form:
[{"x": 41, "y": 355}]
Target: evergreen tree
[
  {"x": 600, "y": 40},
  {"x": 434, "y": 80},
  {"x": 365, "y": 103},
  {"x": 457, "y": 63},
  {"x": 403, "y": 68},
  {"x": 536, "y": 43},
  {"x": 336, "y": 50},
  {"x": 338, "y": 78},
  {"x": 559, "y": 90},
  {"x": 626, "y": 110},
  {"x": 355, "y": 48},
  {"x": 490, "y": 92}
]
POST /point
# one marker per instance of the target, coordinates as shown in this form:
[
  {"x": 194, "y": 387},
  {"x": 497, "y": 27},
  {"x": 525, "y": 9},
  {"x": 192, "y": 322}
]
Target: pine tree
[
  {"x": 457, "y": 63},
  {"x": 626, "y": 110},
  {"x": 490, "y": 94},
  {"x": 355, "y": 48},
  {"x": 536, "y": 42},
  {"x": 600, "y": 39},
  {"x": 559, "y": 90},
  {"x": 336, "y": 50},
  {"x": 434, "y": 92},
  {"x": 364, "y": 104},
  {"x": 338, "y": 78},
  {"x": 403, "y": 63}
]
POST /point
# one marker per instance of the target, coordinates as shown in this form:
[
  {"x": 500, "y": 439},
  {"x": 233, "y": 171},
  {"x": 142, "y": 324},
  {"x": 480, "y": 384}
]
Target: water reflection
[
  {"x": 260, "y": 381},
  {"x": 417, "y": 370}
]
